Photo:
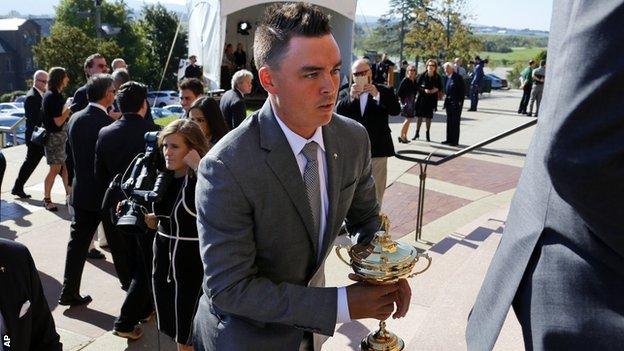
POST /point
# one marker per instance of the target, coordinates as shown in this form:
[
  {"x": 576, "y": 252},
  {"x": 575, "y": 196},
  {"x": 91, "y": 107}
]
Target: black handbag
[{"x": 39, "y": 136}]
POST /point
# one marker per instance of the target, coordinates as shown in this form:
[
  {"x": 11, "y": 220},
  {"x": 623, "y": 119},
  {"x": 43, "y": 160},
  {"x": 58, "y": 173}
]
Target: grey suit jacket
[
  {"x": 572, "y": 184},
  {"x": 256, "y": 233}
]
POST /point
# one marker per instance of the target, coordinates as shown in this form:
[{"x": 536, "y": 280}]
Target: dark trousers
[
  {"x": 474, "y": 96},
  {"x": 453, "y": 116},
  {"x": 34, "y": 153},
  {"x": 83, "y": 225},
  {"x": 138, "y": 302},
  {"x": 526, "y": 95},
  {"x": 118, "y": 248},
  {"x": 69, "y": 163}
]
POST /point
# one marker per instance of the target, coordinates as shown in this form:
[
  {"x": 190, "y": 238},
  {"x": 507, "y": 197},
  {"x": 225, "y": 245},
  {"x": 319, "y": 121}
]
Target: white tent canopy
[{"x": 212, "y": 24}]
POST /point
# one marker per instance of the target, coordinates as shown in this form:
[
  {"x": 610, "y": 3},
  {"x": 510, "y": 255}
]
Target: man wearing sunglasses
[{"x": 34, "y": 153}]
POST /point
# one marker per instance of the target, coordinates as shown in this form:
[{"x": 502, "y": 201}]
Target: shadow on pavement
[
  {"x": 7, "y": 233},
  {"x": 104, "y": 265},
  {"x": 84, "y": 313},
  {"x": 51, "y": 289},
  {"x": 355, "y": 331}
]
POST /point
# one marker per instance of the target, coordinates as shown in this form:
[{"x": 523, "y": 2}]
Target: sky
[{"x": 532, "y": 14}]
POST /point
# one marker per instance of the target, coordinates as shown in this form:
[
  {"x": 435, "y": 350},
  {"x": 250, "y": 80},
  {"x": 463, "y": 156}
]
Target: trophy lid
[{"x": 383, "y": 258}]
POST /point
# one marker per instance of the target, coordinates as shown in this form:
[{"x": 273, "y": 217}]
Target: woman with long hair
[
  {"x": 177, "y": 267},
  {"x": 55, "y": 113},
  {"x": 206, "y": 113},
  {"x": 408, "y": 90},
  {"x": 429, "y": 84}
]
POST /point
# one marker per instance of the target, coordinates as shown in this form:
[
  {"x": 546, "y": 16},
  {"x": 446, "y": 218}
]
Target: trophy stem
[{"x": 382, "y": 340}]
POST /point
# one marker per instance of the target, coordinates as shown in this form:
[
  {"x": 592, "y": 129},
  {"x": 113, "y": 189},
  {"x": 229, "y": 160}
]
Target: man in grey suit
[
  {"x": 271, "y": 197},
  {"x": 560, "y": 263}
]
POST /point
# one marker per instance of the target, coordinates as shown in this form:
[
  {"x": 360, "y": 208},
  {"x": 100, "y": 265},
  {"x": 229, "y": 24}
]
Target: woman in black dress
[
  {"x": 177, "y": 269},
  {"x": 408, "y": 89},
  {"x": 55, "y": 113},
  {"x": 429, "y": 84},
  {"x": 206, "y": 113}
]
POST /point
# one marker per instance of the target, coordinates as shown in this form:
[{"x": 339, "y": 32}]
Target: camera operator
[
  {"x": 178, "y": 270},
  {"x": 117, "y": 146}
]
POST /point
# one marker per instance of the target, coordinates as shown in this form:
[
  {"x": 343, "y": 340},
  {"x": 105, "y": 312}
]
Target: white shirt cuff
[
  {"x": 343, "y": 315},
  {"x": 378, "y": 98}
]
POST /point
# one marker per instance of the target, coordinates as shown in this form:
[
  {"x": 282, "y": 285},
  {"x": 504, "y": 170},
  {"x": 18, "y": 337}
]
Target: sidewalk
[{"x": 462, "y": 196}]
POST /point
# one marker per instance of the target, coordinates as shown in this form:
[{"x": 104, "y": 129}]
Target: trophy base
[{"x": 382, "y": 340}]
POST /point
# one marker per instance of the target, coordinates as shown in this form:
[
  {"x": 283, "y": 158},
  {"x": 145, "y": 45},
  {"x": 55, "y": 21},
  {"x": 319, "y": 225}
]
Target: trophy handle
[
  {"x": 340, "y": 256},
  {"x": 427, "y": 267}
]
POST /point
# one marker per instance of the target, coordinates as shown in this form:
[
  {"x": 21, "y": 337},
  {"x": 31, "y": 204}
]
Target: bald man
[
  {"x": 119, "y": 63},
  {"x": 34, "y": 152},
  {"x": 371, "y": 104}
]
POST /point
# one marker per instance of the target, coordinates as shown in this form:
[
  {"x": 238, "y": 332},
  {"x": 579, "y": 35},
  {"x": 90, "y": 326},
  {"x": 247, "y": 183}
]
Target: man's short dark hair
[
  {"x": 531, "y": 62},
  {"x": 89, "y": 61},
  {"x": 131, "y": 96},
  {"x": 97, "y": 86},
  {"x": 543, "y": 63},
  {"x": 193, "y": 84},
  {"x": 282, "y": 22},
  {"x": 121, "y": 75}
]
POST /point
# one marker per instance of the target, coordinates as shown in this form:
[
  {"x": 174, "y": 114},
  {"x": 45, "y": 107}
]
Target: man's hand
[
  {"x": 355, "y": 91},
  {"x": 377, "y": 301},
  {"x": 151, "y": 221},
  {"x": 371, "y": 89}
]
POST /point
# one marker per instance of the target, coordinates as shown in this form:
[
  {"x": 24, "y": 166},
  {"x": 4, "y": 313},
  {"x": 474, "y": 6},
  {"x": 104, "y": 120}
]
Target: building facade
[{"x": 17, "y": 38}]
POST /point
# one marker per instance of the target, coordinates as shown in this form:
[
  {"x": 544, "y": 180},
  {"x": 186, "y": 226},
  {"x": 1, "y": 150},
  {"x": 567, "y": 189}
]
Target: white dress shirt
[
  {"x": 364, "y": 99},
  {"x": 297, "y": 143}
]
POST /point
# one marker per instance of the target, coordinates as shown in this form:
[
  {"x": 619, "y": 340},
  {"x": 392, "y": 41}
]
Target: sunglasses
[
  {"x": 360, "y": 73},
  {"x": 42, "y": 81},
  {"x": 101, "y": 65}
]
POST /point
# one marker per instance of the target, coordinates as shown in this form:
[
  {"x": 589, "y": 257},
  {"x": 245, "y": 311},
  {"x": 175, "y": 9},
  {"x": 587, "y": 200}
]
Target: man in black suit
[
  {"x": 34, "y": 153},
  {"x": 118, "y": 144},
  {"x": 232, "y": 103},
  {"x": 94, "y": 64},
  {"x": 560, "y": 262},
  {"x": 371, "y": 104},
  {"x": 193, "y": 70},
  {"x": 25, "y": 319},
  {"x": 453, "y": 103},
  {"x": 84, "y": 127}
]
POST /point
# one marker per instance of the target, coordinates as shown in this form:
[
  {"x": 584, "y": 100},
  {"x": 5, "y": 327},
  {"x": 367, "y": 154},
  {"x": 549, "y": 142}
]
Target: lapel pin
[
  {"x": 335, "y": 156},
  {"x": 2, "y": 269}
]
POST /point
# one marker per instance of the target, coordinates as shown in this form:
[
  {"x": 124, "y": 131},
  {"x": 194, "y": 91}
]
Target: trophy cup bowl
[{"x": 383, "y": 261}]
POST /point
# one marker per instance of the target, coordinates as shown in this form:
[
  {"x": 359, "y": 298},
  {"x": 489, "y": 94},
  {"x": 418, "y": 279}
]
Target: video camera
[{"x": 145, "y": 185}]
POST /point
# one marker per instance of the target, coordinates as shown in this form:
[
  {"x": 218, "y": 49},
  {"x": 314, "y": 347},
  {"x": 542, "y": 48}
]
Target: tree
[
  {"x": 68, "y": 47},
  {"x": 158, "y": 26},
  {"x": 441, "y": 31},
  {"x": 81, "y": 14}
]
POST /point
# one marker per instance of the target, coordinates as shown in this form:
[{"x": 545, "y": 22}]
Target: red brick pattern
[
  {"x": 476, "y": 174},
  {"x": 401, "y": 203}
]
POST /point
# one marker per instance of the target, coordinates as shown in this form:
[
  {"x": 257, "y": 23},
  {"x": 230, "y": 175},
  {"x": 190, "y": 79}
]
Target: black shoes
[
  {"x": 417, "y": 135},
  {"x": 95, "y": 254},
  {"x": 403, "y": 140},
  {"x": 20, "y": 193},
  {"x": 428, "y": 139},
  {"x": 74, "y": 300},
  {"x": 472, "y": 109}
]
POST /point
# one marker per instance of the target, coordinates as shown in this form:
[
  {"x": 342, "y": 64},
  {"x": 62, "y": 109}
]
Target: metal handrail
[
  {"x": 424, "y": 162},
  {"x": 12, "y": 129}
]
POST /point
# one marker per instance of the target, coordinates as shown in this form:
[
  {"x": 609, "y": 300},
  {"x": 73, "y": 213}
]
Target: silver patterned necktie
[{"x": 312, "y": 182}]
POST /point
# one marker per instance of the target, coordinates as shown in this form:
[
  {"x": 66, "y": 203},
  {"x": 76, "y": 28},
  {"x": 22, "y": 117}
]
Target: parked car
[
  {"x": 163, "y": 98},
  {"x": 497, "y": 82},
  {"x": 10, "y": 121},
  {"x": 11, "y": 107},
  {"x": 161, "y": 112},
  {"x": 175, "y": 109},
  {"x": 21, "y": 98}
]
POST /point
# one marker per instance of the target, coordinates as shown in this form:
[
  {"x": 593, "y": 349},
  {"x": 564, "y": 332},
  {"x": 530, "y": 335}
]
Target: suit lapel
[
  {"x": 284, "y": 165},
  {"x": 333, "y": 157}
]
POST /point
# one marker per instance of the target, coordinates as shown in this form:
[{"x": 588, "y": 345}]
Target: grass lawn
[
  {"x": 165, "y": 120},
  {"x": 517, "y": 55}
]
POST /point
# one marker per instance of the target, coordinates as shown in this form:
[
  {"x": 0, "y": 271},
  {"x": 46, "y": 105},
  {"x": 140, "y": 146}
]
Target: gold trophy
[{"x": 383, "y": 261}]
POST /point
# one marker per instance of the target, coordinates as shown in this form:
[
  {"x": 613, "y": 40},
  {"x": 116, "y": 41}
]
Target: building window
[
  {"x": 29, "y": 64},
  {"x": 8, "y": 65}
]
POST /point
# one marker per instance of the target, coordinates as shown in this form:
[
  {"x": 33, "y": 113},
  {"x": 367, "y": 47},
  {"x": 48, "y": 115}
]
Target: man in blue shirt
[{"x": 475, "y": 83}]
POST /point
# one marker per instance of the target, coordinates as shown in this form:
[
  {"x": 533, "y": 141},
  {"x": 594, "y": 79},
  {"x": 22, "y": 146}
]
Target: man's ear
[{"x": 267, "y": 80}]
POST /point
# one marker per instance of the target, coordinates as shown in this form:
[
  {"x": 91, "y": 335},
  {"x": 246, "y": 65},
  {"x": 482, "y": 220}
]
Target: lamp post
[{"x": 98, "y": 19}]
